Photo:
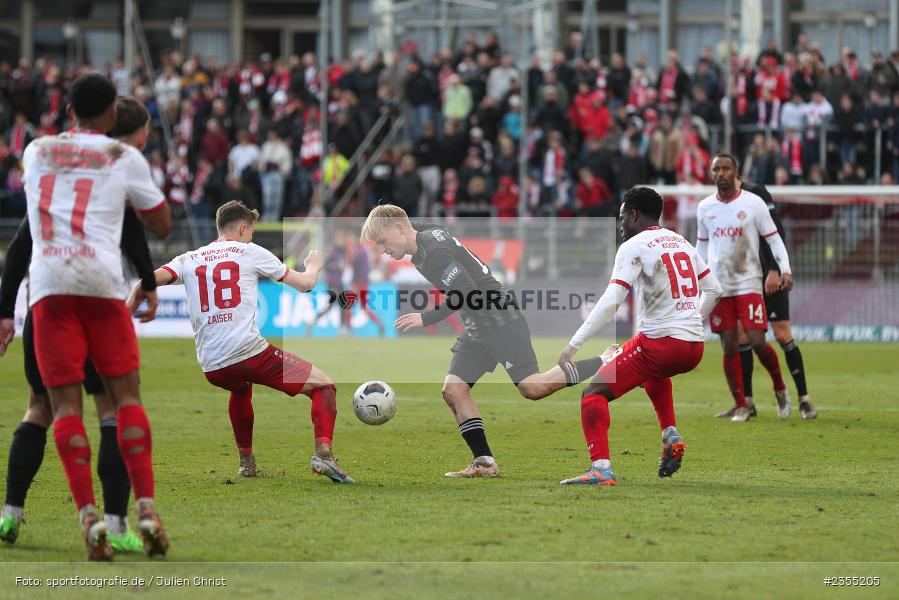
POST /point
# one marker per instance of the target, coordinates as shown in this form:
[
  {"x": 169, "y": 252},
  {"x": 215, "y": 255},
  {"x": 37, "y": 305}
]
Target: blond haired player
[{"x": 495, "y": 330}]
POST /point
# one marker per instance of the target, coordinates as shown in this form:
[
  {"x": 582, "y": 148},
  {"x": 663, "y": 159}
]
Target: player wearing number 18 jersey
[
  {"x": 221, "y": 282},
  {"x": 676, "y": 290}
]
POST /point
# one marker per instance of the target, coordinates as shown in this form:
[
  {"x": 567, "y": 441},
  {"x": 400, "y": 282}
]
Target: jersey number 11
[{"x": 82, "y": 195}]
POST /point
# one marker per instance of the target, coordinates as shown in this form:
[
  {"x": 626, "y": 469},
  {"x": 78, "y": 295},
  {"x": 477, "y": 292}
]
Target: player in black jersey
[
  {"x": 26, "y": 452},
  {"x": 495, "y": 329},
  {"x": 777, "y": 303}
]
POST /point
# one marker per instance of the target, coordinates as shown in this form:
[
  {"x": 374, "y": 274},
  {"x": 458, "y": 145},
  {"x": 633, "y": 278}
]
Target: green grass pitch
[{"x": 762, "y": 509}]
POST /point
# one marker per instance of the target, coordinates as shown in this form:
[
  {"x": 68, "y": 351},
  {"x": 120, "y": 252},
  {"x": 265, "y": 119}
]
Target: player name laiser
[{"x": 220, "y": 318}]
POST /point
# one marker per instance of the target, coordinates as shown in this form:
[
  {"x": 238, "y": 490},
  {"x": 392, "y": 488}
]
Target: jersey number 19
[{"x": 680, "y": 262}]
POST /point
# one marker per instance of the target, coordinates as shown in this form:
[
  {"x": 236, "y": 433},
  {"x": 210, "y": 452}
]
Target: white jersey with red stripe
[
  {"x": 664, "y": 270},
  {"x": 221, "y": 281},
  {"x": 732, "y": 230},
  {"x": 76, "y": 185}
]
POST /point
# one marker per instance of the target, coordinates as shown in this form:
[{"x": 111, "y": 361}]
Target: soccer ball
[{"x": 374, "y": 402}]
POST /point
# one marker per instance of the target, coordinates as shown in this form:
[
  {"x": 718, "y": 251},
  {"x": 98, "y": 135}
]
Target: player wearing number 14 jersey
[
  {"x": 730, "y": 224},
  {"x": 221, "y": 282},
  {"x": 675, "y": 290}
]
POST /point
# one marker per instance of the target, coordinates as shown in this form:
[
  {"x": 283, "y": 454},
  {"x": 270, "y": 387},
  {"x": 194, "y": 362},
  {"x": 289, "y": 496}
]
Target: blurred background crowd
[{"x": 584, "y": 130}]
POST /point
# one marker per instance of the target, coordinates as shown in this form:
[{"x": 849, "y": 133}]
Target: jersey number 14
[{"x": 225, "y": 276}]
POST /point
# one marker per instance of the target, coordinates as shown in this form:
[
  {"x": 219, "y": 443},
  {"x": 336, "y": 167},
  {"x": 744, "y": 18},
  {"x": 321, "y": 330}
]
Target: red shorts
[
  {"x": 69, "y": 329},
  {"x": 643, "y": 358},
  {"x": 748, "y": 309},
  {"x": 273, "y": 367}
]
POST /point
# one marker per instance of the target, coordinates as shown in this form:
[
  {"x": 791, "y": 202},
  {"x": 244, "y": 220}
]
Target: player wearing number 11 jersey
[
  {"x": 76, "y": 184},
  {"x": 667, "y": 275},
  {"x": 221, "y": 281}
]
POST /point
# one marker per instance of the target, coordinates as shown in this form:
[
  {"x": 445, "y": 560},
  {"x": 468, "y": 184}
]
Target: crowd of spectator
[{"x": 589, "y": 130}]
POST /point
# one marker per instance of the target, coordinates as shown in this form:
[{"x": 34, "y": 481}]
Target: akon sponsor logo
[{"x": 727, "y": 232}]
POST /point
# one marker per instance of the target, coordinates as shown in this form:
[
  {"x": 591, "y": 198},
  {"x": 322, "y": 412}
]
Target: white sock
[
  {"x": 14, "y": 511},
  {"x": 602, "y": 463},
  {"x": 117, "y": 525},
  {"x": 488, "y": 460},
  {"x": 87, "y": 509}
]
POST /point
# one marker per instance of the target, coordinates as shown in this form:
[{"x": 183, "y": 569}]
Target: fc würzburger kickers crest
[{"x": 742, "y": 215}]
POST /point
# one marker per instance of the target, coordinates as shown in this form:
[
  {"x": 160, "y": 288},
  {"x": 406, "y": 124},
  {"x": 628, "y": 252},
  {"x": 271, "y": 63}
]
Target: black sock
[
  {"x": 746, "y": 358},
  {"x": 794, "y": 364},
  {"x": 575, "y": 372},
  {"x": 112, "y": 472},
  {"x": 472, "y": 432},
  {"x": 26, "y": 453}
]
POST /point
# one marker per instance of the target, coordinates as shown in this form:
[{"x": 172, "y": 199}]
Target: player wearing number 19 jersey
[
  {"x": 730, "y": 223},
  {"x": 221, "y": 281},
  {"x": 76, "y": 185},
  {"x": 676, "y": 290}
]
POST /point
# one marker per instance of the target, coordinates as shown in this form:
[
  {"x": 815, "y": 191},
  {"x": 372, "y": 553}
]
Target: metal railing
[
  {"x": 366, "y": 168},
  {"x": 824, "y": 134}
]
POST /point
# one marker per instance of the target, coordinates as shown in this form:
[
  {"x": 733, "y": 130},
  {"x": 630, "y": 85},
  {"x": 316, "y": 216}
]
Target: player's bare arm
[
  {"x": 772, "y": 282},
  {"x": 139, "y": 294},
  {"x": 786, "y": 281},
  {"x": 408, "y": 322},
  {"x": 305, "y": 281},
  {"x": 7, "y": 332},
  {"x": 159, "y": 221},
  {"x": 18, "y": 256}
]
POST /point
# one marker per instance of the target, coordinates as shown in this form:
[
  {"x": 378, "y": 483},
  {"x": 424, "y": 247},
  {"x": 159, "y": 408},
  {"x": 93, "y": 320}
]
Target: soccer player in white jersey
[
  {"x": 677, "y": 290},
  {"x": 729, "y": 224},
  {"x": 221, "y": 281},
  {"x": 76, "y": 185}
]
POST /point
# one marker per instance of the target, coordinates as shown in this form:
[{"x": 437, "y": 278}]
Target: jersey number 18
[{"x": 229, "y": 281}]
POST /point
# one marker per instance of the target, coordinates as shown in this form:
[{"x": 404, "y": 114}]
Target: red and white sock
[
  {"x": 324, "y": 413},
  {"x": 768, "y": 358},
  {"x": 136, "y": 445},
  {"x": 659, "y": 392},
  {"x": 595, "y": 421},
  {"x": 733, "y": 372},
  {"x": 240, "y": 409},
  {"x": 75, "y": 452}
]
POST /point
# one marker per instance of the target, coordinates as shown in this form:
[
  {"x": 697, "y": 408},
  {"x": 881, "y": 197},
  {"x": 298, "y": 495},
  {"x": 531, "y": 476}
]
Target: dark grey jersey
[
  {"x": 468, "y": 284},
  {"x": 766, "y": 257}
]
